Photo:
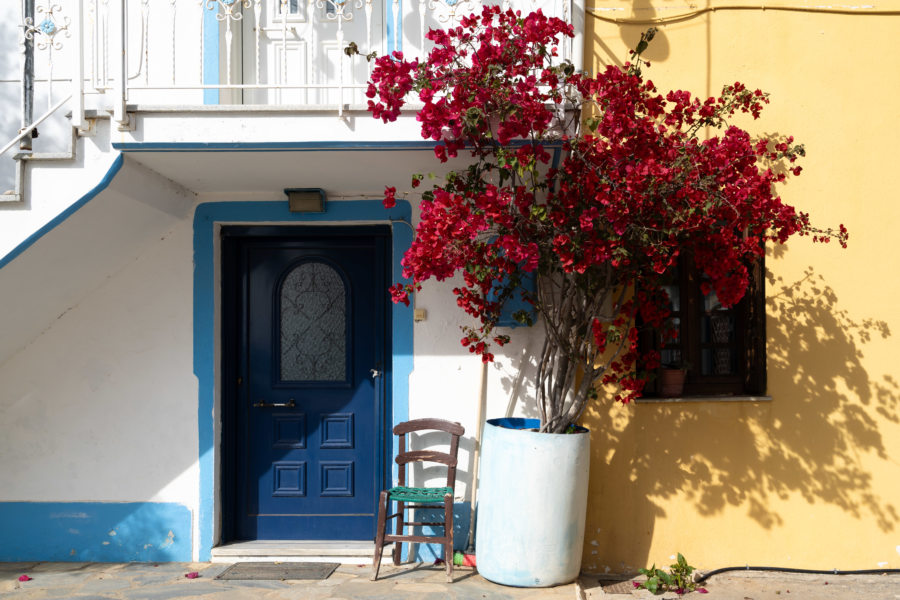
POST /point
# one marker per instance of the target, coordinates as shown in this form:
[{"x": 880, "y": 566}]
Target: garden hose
[{"x": 701, "y": 577}]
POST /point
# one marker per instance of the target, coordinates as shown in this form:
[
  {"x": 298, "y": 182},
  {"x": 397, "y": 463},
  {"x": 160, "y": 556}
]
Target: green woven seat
[{"x": 419, "y": 494}]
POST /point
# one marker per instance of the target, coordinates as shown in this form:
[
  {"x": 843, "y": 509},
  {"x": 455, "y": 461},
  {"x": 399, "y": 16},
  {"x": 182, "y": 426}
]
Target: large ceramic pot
[{"x": 532, "y": 499}]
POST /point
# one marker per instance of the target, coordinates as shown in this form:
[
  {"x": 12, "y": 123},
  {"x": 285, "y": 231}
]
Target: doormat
[{"x": 278, "y": 571}]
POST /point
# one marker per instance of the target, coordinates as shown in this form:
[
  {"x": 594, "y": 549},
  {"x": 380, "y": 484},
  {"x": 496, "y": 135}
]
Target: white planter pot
[{"x": 532, "y": 499}]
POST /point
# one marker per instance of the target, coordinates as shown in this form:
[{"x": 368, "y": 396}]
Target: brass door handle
[{"x": 264, "y": 404}]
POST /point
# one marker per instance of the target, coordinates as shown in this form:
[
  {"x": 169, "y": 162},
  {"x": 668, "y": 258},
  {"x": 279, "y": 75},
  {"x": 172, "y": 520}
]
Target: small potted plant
[
  {"x": 671, "y": 379},
  {"x": 633, "y": 186}
]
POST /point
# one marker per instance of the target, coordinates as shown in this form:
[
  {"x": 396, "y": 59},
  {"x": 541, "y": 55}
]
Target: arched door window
[{"x": 314, "y": 324}]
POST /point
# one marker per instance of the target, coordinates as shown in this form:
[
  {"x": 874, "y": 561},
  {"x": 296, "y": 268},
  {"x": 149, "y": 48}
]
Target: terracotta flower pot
[{"x": 671, "y": 382}]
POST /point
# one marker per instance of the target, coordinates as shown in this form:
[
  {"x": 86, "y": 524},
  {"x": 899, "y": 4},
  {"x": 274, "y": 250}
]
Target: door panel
[{"x": 312, "y": 329}]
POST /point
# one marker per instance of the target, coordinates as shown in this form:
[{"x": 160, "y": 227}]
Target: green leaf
[
  {"x": 538, "y": 212},
  {"x": 524, "y": 317}
]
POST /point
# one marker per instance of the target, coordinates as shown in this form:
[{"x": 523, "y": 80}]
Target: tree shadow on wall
[
  {"x": 816, "y": 349},
  {"x": 639, "y": 10},
  {"x": 811, "y": 440}
]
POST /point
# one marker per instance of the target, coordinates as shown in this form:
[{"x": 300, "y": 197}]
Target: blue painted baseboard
[{"x": 95, "y": 531}]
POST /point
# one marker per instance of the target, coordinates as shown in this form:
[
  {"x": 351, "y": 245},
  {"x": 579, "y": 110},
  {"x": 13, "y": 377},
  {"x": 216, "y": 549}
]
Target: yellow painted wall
[{"x": 812, "y": 478}]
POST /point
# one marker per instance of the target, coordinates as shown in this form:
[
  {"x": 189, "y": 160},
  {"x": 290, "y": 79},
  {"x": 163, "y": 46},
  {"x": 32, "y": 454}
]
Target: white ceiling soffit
[{"x": 340, "y": 172}]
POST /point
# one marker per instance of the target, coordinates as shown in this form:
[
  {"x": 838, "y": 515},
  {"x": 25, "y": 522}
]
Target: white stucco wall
[
  {"x": 446, "y": 381},
  {"x": 101, "y": 406},
  {"x": 53, "y": 186}
]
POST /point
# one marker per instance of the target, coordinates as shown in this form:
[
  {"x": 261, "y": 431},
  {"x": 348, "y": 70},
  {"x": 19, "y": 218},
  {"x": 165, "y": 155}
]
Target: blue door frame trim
[
  {"x": 319, "y": 146},
  {"x": 206, "y": 218},
  {"x": 210, "y": 60},
  {"x": 393, "y": 26}
]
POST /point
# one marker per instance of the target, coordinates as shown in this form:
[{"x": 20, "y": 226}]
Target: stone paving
[
  {"x": 164, "y": 581},
  {"x": 749, "y": 585}
]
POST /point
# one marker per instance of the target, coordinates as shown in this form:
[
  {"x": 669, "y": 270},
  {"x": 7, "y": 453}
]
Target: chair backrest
[{"x": 405, "y": 457}]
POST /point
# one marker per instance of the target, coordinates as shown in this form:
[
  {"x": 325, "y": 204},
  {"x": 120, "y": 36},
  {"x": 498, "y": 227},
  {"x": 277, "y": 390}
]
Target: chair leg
[
  {"x": 398, "y": 546},
  {"x": 448, "y": 537},
  {"x": 383, "y": 506}
]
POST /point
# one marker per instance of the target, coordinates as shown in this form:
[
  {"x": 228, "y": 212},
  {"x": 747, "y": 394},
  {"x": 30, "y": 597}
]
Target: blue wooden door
[{"x": 310, "y": 403}]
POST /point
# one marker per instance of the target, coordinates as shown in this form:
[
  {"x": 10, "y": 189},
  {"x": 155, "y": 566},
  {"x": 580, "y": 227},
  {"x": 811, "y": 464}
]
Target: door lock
[{"x": 375, "y": 373}]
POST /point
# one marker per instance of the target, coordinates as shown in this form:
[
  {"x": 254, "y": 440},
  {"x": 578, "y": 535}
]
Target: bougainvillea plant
[{"x": 637, "y": 181}]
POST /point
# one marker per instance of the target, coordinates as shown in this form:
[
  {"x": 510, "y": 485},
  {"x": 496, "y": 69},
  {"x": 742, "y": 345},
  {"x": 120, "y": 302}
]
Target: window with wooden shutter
[{"x": 721, "y": 349}]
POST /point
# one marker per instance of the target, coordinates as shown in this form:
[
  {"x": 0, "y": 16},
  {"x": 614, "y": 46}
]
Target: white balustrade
[{"x": 188, "y": 52}]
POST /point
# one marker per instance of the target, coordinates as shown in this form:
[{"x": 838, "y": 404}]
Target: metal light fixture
[{"x": 306, "y": 200}]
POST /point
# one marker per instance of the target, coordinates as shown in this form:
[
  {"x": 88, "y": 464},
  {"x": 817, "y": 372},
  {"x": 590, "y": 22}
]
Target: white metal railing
[
  {"x": 275, "y": 51},
  {"x": 27, "y": 131},
  {"x": 190, "y": 52},
  {"x": 42, "y": 28}
]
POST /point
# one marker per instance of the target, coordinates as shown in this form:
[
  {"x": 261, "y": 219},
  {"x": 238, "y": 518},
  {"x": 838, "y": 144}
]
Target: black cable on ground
[{"x": 706, "y": 576}]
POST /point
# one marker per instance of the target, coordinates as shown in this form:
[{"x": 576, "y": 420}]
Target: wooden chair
[{"x": 419, "y": 497}]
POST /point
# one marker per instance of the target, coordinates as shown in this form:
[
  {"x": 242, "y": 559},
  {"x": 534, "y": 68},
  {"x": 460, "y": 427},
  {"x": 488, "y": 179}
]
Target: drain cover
[{"x": 279, "y": 571}]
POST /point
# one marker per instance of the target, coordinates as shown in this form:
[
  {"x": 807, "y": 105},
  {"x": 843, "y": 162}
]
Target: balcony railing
[{"x": 116, "y": 53}]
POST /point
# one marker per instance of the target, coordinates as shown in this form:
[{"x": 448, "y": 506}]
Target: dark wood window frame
[{"x": 744, "y": 351}]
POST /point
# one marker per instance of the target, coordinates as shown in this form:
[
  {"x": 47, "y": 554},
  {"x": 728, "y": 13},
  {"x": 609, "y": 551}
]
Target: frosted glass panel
[{"x": 313, "y": 325}]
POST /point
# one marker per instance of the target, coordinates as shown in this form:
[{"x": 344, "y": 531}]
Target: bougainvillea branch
[{"x": 635, "y": 187}]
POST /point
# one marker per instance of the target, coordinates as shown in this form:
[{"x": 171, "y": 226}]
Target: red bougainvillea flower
[
  {"x": 595, "y": 185},
  {"x": 389, "y": 197},
  {"x": 24, "y": 578}
]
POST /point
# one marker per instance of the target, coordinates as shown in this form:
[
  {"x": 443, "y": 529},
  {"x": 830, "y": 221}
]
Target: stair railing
[
  {"x": 27, "y": 131},
  {"x": 43, "y": 35}
]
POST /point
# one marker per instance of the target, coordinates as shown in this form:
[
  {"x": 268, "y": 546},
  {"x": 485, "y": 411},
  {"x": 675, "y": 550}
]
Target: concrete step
[{"x": 343, "y": 552}]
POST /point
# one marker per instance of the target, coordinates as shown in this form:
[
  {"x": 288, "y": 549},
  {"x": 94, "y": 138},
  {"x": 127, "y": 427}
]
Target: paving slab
[
  {"x": 104, "y": 585},
  {"x": 166, "y": 581},
  {"x": 752, "y": 585}
]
